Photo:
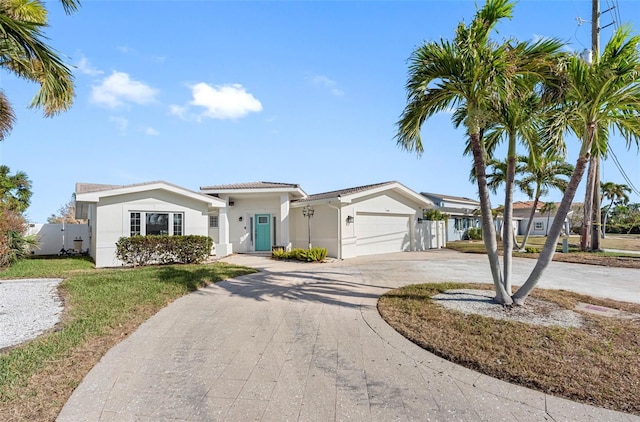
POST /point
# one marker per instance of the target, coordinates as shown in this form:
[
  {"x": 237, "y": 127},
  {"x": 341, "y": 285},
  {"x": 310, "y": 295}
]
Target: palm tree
[
  {"x": 617, "y": 194},
  {"x": 15, "y": 190},
  {"x": 548, "y": 208},
  {"x": 598, "y": 98},
  {"x": 464, "y": 74},
  {"x": 24, "y": 53},
  {"x": 543, "y": 172}
]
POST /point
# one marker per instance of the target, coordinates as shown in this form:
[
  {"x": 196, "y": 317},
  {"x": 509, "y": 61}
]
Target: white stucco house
[
  {"x": 463, "y": 213},
  {"x": 254, "y": 217}
]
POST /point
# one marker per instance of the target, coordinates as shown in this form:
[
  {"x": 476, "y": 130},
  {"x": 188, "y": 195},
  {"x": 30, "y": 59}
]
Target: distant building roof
[{"x": 450, "y": 197}]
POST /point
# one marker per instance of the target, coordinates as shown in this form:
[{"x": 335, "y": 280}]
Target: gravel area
[
  {"x": 535, "y": 311},
  {"x": 27, "y": 309}
]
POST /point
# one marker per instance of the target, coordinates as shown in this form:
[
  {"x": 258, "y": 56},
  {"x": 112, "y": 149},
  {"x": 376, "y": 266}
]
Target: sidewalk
[{"x": 304, "y": 342}]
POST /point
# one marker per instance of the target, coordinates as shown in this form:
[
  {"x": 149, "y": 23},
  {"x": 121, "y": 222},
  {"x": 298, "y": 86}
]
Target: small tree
[{"x": 66, "y": 214}]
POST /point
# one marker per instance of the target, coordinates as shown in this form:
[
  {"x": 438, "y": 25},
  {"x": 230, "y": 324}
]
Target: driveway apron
[{"x": 304, "y": 342}]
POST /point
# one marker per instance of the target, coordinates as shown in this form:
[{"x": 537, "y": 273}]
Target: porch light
[
  {"x": 349, "y": 219},
  {"x": 240, "y": 219}
]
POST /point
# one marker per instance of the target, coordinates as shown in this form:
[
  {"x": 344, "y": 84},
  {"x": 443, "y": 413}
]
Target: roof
[
  {"x": 343, "y": 192},
  {"x": 252, "y": 185},
  {"x": 450, "y": 197},
  {"x": 255, "y": 188},
  {"x": 349, "y": 194},
  {"x": 92, "y": 192}
]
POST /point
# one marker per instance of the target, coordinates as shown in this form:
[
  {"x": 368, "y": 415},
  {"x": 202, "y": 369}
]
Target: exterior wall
[
  {"x": 540, "y": 232},
  {"x": 50, "y": 237},
  {"x": 323, "y": 226},
  {"x": 112, "y": 219},
  {"x": 246, "y": 207}
]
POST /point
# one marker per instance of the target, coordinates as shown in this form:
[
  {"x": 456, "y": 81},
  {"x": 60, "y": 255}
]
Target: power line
[{"x": 622, "y": 172}]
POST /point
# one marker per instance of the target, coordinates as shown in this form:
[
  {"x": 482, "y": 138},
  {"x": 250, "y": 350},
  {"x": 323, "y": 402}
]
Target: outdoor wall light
[
  {"x": 349, "y": 219},
  {"x": 240, "y": 218}
]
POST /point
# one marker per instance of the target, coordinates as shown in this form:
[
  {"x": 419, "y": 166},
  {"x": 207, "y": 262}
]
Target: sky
[{"x": 200, "y": 93}]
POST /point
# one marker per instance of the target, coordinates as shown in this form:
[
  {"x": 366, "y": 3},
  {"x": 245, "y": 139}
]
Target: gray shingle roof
[
  {"x": 451, "y": 197},
  {"x": 251, "y": 185},
  {"x": 343, "y": 192},
  {"x": 97, "y": 187}
]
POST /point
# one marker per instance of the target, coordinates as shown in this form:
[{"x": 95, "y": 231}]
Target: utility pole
[{"x": 597, "y": 217}]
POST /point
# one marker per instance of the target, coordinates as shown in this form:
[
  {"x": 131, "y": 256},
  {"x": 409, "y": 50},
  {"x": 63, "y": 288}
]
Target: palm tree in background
[
  {"x": 617, "y": 194},
  {"x": 15, "y": 190},
  {"x": 24, "y": 53}
]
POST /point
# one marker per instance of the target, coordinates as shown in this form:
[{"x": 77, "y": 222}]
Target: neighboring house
[
  {"x": 541, "y": 222},
  {"x": 462, "y": 213},
  {"x": 254, "y": 217}
]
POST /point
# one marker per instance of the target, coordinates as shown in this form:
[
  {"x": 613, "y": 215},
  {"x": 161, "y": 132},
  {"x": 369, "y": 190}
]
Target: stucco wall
[
  {"x": 113, "y": 218},
  {"x": 247, "y": 207}
]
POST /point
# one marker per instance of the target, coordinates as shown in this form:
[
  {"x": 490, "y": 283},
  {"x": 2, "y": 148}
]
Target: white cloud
[
  {"x": 121, "y": 123},
  {"x": 327, "y": 83},
  {"x": 151, "y": 131},
  {"x": 85, "y": 67},
  {"x": 119, "y": 88},
  {"x": 230, "y": 101},
  {"x": 178, "y": 110}
]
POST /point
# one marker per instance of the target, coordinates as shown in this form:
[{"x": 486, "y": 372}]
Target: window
[
  {"x": 177, "y": 224},
  {"x": 263, "y": 219},
  {"x": 538, "y": 225},
  {"x": 135, "y": 224},
  {"x": 213, "y": 221},
  {"x": 156, "y": 223}
]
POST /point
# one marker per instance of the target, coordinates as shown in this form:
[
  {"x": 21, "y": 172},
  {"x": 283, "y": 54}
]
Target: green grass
[{"x": 102, "y": 306}]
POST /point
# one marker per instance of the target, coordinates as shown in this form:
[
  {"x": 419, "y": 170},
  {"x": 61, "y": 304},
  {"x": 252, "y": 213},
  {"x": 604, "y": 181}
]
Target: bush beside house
[{"x": 161, "y": 249}]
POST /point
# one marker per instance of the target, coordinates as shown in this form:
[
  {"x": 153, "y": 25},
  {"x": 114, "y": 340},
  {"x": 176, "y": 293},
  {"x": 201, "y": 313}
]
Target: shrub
[
  {"x": 434, "y": 215},
  {"x": 307, "y": 255},
  {"x": 14, "y": 245},
  {"x": 475, "y": 233},
  {"x": 145, "y": 250}
]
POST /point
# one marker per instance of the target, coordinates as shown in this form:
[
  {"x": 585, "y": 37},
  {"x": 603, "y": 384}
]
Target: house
[
  {"x": 254, "y": 217},
  {"x": 463, "y": 213},
  {"x": 141, "y": 209},
  {"x": 541, "y": 222}
]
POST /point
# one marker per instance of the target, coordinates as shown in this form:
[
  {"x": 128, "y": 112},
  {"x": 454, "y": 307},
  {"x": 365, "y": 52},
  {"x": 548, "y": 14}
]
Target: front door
[{"x": 263, "y": 232}]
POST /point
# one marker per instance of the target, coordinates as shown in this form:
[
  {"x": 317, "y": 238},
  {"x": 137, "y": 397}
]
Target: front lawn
[
  {"x": 102, "y": 307},
  {"x": 597, "y": 364}
]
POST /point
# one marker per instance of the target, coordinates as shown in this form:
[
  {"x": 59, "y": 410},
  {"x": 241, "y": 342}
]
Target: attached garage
[
  {"x": 366, "y": 220},
  {"x": 382, "y": 233}
]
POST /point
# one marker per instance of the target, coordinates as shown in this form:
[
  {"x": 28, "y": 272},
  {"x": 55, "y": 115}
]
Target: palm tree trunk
[
  {"x": 531, "y": 216},
  {"x": 597, "y": 214},
  {"x": 488, "y": 229},
  {"x": 507, "y": 228},
  {"x": 585, "y": 232},
  {"x": 604, "y": 223},
  {"x": 549, "y": 248}
]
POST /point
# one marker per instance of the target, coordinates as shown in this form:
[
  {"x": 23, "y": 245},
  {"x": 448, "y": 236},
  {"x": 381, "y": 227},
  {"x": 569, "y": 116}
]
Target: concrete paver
[{"x": 298, "y": 342}]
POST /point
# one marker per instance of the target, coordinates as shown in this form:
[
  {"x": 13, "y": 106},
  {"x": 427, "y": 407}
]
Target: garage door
[{"x": 382, "y": 233}]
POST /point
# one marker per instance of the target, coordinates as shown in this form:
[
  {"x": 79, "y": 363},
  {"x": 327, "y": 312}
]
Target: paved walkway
[{"x": 304, "y": 342}]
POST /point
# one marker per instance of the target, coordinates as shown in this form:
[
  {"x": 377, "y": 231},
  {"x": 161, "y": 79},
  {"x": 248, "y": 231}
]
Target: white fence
[{"x": 53, "y": 238}]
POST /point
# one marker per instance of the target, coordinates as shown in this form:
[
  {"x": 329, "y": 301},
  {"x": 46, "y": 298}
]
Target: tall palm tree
[
  {"x": 597, "y": 99},
  {"x": 24, "y": 53},
  {"x": 548, "y": 208},
  {"x": 463, "y": 74},
  {"x": 616, "y": 194},
  {"x": 549, "y": 170}
]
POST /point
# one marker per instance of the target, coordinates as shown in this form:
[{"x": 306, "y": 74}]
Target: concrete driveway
[{"x": 304, "y": 342}]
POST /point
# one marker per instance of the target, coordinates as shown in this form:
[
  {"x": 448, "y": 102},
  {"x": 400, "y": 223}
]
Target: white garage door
[{"x": 382, "y": 233}]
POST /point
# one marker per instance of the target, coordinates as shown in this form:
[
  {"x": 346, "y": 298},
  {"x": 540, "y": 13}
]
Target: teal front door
[{"x": 263, "y": 232}]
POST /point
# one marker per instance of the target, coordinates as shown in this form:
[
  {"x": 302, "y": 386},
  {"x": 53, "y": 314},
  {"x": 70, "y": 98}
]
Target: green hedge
[
  {"x": 146, "y": 250},
  {"x": 307, "y": 255}
]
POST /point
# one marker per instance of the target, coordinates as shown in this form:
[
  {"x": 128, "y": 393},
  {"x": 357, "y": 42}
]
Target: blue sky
[{"x": 210, "y": 92}]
